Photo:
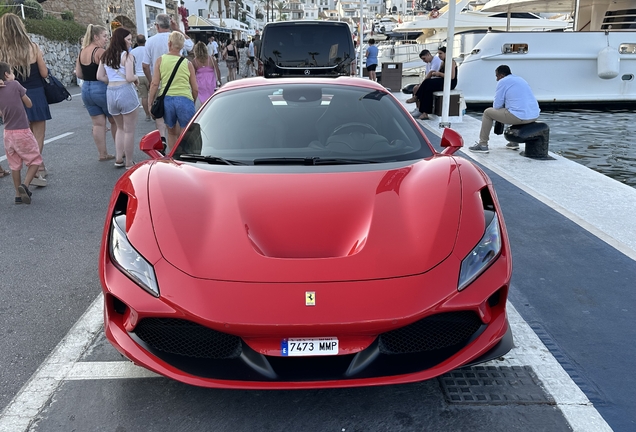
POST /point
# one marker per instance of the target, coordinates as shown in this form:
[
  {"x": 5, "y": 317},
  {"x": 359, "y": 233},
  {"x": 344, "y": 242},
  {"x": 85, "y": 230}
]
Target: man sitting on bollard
[{"x": 514, "y": 104}]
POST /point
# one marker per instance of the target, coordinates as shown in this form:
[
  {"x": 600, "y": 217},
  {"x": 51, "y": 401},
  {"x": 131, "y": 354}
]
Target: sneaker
[
  {"x": 512, "y": 146},
  {"x": 120, "y": 164},
  {"x": 39, "y": 181},
  {"x": 478, "y": 148},
  {"x": 25, "y": 193}
]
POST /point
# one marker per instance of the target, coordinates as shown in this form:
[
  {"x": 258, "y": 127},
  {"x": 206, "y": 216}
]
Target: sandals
[
  {"x": 106, "y": 158},
  {"x": 4, "y": 172},
  {"x": 423, "y": 116},
  {"x": 25, "y": 195},
  {"x": 120, "y": 164},
  {"x": 411, "y": 100}
]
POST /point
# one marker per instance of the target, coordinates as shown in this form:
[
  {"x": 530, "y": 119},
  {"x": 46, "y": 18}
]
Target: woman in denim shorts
[
  {"x": 94, "y": 91},
  {"x": 117, "y": 68},
  {"x": 179, "y": 101}
]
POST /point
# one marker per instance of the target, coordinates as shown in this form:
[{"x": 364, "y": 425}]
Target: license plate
[{"x": 309, "y": 346}]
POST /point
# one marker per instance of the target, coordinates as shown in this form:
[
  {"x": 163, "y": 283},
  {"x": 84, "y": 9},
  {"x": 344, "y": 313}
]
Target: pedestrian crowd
[{"x": 117, "y": 72}]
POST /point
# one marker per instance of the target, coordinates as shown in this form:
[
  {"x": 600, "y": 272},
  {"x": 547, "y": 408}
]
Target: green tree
[{"x": 280, "y": 8}]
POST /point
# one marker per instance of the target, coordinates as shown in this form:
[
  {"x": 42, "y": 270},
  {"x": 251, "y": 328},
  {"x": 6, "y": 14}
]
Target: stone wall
[{"x": 59, "y": 57}]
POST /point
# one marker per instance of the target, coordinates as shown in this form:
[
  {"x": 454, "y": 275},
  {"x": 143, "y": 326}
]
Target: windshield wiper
[
  {"x": 312, "y": 161},
  {"x": 213, "y": 160}
]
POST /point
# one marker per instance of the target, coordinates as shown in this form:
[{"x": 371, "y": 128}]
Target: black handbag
[
  {"x": 499, "y": 128},
  {"x": 157, "y": 108},
  {"x": 54, "y": 90}
]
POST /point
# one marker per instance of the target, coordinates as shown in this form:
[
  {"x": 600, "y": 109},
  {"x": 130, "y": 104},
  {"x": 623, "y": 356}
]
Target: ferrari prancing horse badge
[{"x": 310, "y": 298}]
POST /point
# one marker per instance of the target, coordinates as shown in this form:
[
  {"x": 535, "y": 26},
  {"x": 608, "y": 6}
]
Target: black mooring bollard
[{"x": 535, "y": 135}]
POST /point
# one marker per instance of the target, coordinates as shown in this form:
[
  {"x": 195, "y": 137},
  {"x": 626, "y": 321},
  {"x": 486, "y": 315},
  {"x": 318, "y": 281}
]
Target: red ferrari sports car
[{"x": 304, "y": 233}]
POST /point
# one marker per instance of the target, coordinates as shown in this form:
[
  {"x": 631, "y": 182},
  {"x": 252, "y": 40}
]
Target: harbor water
[{"x": 600, "y": 140}]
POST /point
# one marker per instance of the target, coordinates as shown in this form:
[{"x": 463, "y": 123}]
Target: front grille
[
  {"x": 431, "y": 333},
  {"x": 186, "y": 338}
]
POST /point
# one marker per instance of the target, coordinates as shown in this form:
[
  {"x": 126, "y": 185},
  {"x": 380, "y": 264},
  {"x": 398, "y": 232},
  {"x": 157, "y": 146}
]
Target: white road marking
[
  {"x": 58, "y": 137},
  {"x": 25, "y": 406},
  {"x": 46, "y": 141},
  {"x": 108, "y": 370},
  {"x": 63, "y": 365},
  {"x": 570, "y": 399}
]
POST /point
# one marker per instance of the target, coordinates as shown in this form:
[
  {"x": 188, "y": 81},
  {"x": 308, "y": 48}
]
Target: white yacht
[
  {"x": 470, "y": 27},
  {"x": 594, "y": 64}
]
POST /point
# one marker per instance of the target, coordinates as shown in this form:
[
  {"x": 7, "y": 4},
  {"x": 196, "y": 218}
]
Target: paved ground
[{"x": 572, "y": 302}]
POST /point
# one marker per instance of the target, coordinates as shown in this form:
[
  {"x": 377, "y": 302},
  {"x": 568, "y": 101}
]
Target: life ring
[{"x": 434, "y": 13}]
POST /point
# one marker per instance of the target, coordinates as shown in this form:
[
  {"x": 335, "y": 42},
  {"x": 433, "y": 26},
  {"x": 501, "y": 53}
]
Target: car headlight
[
  {"x": 128, "y": 260},
  {"x": 482, "y": 255}
]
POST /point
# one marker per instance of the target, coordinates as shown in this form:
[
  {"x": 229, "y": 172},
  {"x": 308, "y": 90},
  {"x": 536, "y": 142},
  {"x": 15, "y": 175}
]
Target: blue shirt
[
  {"x": 372, "y": 55},
  {"x": 514, "y": 93}
]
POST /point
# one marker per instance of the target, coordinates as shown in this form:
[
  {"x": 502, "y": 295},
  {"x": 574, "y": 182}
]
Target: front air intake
[
  {"x": 431, "y": 333},
  {"x": 186, "y": 338}
]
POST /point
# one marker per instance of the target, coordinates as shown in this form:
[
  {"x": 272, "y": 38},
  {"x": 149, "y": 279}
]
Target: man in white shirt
[
  {"x": 433, "y": 63},
  {"x": 156, "y": 46},
  {"x": 514, "y": 104},
  {"x": 139, "y": 52},
  {"x": 213, "y": 48}
]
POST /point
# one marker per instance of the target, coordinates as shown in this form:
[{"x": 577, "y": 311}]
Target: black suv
[{"x": 306, "y": 48}]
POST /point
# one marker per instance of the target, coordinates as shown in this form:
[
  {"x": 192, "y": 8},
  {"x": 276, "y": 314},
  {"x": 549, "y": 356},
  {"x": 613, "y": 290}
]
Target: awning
[
  {"x": 201, "y": 25},
  {"x": 210, "y": 28}
]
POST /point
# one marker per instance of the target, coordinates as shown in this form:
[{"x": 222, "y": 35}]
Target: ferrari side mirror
[
  {"x": 152, "y": 145},
  {"x": 451, "y": 141}
]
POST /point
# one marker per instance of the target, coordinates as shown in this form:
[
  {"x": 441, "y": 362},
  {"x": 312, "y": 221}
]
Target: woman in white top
[{"x": 117, "y": 68}]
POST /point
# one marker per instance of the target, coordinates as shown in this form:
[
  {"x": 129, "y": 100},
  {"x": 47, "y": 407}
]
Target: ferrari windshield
[{"x": 304, "y": 123}]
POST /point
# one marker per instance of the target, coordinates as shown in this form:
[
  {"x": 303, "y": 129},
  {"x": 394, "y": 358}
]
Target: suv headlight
[
  {"x": 128, "y": 260},
  {"x": 482, "y": 255}
]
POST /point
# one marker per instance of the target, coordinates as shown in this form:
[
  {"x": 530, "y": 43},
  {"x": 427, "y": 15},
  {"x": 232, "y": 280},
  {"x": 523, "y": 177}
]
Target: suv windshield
[
  {"x": 322, "y": 48},
  {"x": 302, "y": 123}
]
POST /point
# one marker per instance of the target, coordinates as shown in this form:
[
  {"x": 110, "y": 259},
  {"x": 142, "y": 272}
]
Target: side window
[
  {"x": 627, "y": 48},
  {"x": 515, "y": 48}
]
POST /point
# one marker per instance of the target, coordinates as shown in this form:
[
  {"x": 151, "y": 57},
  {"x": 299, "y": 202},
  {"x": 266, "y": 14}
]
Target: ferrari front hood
[{"x": 305, "y": 227}]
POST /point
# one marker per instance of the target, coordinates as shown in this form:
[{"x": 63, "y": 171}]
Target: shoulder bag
[
  {"x": 157, "y": 108},
  {"x": 54, "y": 90}
]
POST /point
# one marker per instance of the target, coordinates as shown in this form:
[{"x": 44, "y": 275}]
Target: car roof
[
  {"x": 301, "y": 22},
  {"x": 340, "y": 81}
]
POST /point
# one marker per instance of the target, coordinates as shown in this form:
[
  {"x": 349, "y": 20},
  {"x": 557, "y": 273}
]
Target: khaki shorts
[{"x": 143, "y": 87}]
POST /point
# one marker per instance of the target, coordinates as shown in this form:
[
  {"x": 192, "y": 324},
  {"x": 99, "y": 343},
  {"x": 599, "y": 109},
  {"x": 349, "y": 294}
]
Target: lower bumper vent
[
  {"x": 431, "y": 333},
  {"x": 186, "y": 338}
]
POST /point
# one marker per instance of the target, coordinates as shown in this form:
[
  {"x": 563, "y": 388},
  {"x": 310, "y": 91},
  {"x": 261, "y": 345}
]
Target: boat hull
[{"x": 560, "y": 67}]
